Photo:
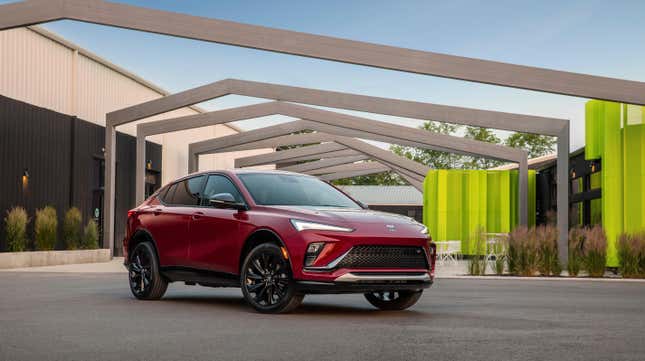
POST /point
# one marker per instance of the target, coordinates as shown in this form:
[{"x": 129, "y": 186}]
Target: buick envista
[{"x": 277, "y": 235}]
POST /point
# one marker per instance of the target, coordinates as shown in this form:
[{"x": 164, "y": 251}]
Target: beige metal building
[{"x": 43, "y": 69}]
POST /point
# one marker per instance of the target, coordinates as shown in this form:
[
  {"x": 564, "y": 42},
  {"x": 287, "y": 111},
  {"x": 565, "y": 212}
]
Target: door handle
[
  {"x": 197, "y": 215},
  {"x": 156, "y": 211}
]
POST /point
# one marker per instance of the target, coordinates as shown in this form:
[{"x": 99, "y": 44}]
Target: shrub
[
  {"x": 523, "y": 252},
  {"x": 45, "y": 228},
  {"x": 72, "y": 224},
  {"x": 576, "y": 240},
  {"x": 477, "y": 262},
  {"x": 641, "y": 255},
  {"x": 16, "y": 229},
  {"x": 547, "y": 239},
  {"x": 629, "y": 254},
  {"x": 595, "y": 251},
  {"x": 90, "y": 236},
  {"x": 500, "y": 256}
]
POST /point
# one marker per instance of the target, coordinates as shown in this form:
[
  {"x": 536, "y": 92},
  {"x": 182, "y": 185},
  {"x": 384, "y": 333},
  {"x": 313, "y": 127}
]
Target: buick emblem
[{"x": 390, "y": 227}]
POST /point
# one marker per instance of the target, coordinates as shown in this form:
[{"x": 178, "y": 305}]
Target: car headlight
[
  {"x": 424, "y": 229},
  {"x": 301, "y": 225}
]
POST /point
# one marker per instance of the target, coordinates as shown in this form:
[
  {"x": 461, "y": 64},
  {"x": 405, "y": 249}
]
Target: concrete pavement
[{"x": 71, "y": 316}]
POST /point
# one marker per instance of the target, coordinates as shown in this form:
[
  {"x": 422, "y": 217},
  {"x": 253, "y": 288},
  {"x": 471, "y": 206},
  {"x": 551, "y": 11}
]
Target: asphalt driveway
[{"x": 55, "y": 316}]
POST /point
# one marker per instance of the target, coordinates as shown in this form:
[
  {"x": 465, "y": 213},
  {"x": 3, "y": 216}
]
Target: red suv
[{"x": 278, "y": 236}]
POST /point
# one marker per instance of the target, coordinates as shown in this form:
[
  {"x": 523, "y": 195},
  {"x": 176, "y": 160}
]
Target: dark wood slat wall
[{"x": 41, "y": 141}]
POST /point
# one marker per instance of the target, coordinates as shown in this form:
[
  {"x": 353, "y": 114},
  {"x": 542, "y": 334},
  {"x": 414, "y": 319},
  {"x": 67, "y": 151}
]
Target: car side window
[
  {"x": 187, "y": 192},
  {"x": 166, "y": 195},
  {"x": 220, "y": 184}
]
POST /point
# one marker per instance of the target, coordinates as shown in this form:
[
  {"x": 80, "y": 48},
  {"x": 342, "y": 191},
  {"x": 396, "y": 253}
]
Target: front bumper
[{"x": 363, "y": 282}]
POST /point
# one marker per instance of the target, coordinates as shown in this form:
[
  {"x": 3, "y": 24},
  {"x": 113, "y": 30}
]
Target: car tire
[
  {"x": 146, "y": 283},
  {"x": 267, "y": 282},
  {"x": 393, "y": 300}
]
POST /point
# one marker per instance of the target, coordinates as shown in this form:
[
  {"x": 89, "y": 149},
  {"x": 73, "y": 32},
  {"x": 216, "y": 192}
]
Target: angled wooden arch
[
  {"x": 415, "y": 179},
  {"x": 395, "y": 107},
  {"x": 274, "y": 136},
  {"x": 357, "y": 170},
  {"x": 350, "y": 167},
  {"x": 323, "y": 163},
  {"x": 328, "y": 122},
  {"x": 316, "y": 46},
  {"x": 323, "y": 47}
]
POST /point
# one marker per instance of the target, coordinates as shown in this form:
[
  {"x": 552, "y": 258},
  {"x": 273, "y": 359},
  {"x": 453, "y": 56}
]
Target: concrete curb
[
  {"x": 9, "y": 260},
  {"x": 558, "y": 279}
]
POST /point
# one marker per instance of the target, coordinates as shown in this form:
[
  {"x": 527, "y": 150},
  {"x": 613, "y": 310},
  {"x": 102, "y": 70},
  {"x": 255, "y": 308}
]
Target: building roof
[
  {"x": 385, "y": 195},
  {"x": 533, "y": 163}
]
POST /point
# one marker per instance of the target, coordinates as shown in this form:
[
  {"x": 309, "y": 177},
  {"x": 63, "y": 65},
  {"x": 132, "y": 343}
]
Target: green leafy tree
[
  {"x": 433, "y": 158},
  {"x": 536, "y": 145},
  {"x": 385, "y": 179},
  {"x": 484, "y": 135}
]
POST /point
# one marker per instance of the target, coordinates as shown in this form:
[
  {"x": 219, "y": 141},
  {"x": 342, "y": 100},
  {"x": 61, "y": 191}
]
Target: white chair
[
  {"x": 495, "y": 247},
  {"x": 448, "y": 251}
]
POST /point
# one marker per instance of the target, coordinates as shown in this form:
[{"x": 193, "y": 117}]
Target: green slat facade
[
  {"x": 616, "y": 133},
  {"x": 456, "y": 202}
]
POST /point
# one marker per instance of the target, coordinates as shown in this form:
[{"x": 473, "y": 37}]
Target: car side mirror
[
  {"x": 226, "y": 200},
  {"x": 363, "y": 205}
]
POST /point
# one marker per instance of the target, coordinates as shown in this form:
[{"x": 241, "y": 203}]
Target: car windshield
[{"x": 294, "y": 190}]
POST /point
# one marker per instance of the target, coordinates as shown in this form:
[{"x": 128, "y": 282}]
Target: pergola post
[
  {"x": 562, "y": 178},
  {"x": 140, "y": 173},
  {"x": 523, "y": 190},
  {"x": 110, "y": 185}
]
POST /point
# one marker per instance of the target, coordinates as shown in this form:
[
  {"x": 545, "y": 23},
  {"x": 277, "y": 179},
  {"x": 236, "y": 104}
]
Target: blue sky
[{"x": 596, "y": 37}]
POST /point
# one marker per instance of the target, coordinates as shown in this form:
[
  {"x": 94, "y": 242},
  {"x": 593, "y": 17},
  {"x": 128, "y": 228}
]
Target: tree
[
  {"x": 484, "y": 135},
  {"x": 433, "y": 158},
  {"x": 383, "y": 179},
  {"x": 536, "y": 145}
]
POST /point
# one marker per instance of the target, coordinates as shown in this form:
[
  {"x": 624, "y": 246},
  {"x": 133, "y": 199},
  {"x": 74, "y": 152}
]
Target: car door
[
  {"x": 170, "y": 221},
  {"x": 214, "y": 232}
]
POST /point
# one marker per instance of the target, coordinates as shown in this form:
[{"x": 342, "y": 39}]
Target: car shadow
[{"x": 308, "y": 308}]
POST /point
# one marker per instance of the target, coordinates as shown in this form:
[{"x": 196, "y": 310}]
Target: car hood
[{"x": 344, "y": 216}]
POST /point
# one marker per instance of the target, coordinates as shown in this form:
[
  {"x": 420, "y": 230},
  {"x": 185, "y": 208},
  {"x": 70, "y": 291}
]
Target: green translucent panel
[
  {"x": 593, "y": 141},
  {"x": 612, "y": 176},
  {"x": 620, "y": 142},
  {"x": 634, "y": 168},
  {"x": 458, "y": 202}
]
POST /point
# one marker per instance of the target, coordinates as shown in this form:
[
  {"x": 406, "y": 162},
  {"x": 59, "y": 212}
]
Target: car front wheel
[
  {"x": 267, "y": 282},
  {"x": 393, "y": 300}
]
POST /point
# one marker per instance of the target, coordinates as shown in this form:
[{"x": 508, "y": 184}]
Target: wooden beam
[
  {"x": 287, "y": 155},
  {"x": 378, "y": 105},
  {"x": 329, "y": 48},
  {"x": 347, "y": 167},
  {"x": 354, "y": 173},
  {"x": 304, "y": 167}
]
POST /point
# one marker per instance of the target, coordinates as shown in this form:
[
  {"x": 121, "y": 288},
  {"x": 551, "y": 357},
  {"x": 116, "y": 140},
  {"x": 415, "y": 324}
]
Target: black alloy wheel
[
  {"x": 393, "y": 300},
  {"x": 267, "y": 282},
  {"x": 145, "y": 281}
]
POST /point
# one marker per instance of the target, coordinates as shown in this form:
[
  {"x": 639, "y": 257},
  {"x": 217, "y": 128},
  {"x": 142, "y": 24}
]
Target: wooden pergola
[
  {"x": 32, "y": 12},
  {"x": 331, "y": 148},
  {"x": 340, "y": 125}
]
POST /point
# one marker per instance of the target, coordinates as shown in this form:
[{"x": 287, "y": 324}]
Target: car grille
[{"x": 384, "y": 257}]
